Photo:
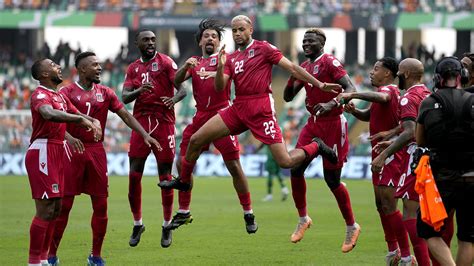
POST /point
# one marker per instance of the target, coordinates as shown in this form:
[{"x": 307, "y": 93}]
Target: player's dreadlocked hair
[
  {"x": 390, "y": 64},
  {"x": 209, "y": 24},
  {"x": 36, "y": 68},
  {"x": 318, "y": 32},
  {"x": 81, "y": 56}
]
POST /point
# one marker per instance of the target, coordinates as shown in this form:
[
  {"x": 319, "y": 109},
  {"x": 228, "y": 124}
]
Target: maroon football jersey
[
  {"x": 95, "y": 103},
  {"x": 205, "y": 94},
  {"x": 251, "y": 69},
  {"x": 325, "y": 68},
  {"x": 410, "y": 102},
  {"x": 160, "y": 71},
  {"x": 42, "y": 128},
  {"x": 384, "y": 116}
]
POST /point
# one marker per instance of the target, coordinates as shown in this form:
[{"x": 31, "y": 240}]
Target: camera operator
[{"x": 446, "y": 127}]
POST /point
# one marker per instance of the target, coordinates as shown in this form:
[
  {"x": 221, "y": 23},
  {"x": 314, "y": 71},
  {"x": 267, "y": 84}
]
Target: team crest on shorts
[
  {"x": 213, "y": 61},
  {"x": 99, "y": 97},
  {"x": 55, "y": 188},
  {"x": 154, "y": 66},
  {"x": 316, "y": 69},
  {"x": 251, "y": 53}
]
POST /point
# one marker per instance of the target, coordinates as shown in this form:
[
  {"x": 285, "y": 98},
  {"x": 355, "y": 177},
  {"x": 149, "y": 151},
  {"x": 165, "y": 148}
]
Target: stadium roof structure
[{"x": 31, "y": 19}]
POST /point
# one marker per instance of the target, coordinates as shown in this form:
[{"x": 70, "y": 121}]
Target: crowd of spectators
[{"x": 230, "y": 7}]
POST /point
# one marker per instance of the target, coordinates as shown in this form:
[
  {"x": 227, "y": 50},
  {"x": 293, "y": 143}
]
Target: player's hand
[
  {"x": 222, "y": 56},
  {"x": 344, "y": 97},
  {"x": 322, "y": 108},
  {"x": 146, "y": 87},
  {"x": 97, "y": 129},
  {"x": 206, "y": 74},
  {"x": 349, "y": 107},
  {"x": 149, "y": 141},
  {"x": 378, "y": 163},
  {"x": 168, "y": 101},
  {"x": 190, "y": 63},
  {"x": 382, "y": 135},
  {"x": 381, "y": 146},
  {"x": 331, "y": 87},
  {"x": 77, "y": 145}
]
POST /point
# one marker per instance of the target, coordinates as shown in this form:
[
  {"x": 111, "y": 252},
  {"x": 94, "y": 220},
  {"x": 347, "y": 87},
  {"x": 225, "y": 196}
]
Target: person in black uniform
[{"x": 446, "y": 127}]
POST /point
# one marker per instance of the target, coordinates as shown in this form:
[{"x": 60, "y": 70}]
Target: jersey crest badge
[
  {"x": 55, "y": 188},
  {"x": 41, "y": 96},
  {"x": 251, "y": 53},
  {"x": 316, "y": 69},
  {"x": 213, "y": 61},
  {"x": 154, "y": 67},
  {"x": 99, "y": 97}
]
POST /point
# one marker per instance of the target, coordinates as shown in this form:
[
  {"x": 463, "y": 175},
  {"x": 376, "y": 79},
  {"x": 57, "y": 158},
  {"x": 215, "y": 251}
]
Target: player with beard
[
  {"x": 328, "y": 123},
  {"x": 87, "y": 171},
  {"x": 250, "y": 67},
  {"x": 50, "y": 112},
  {"x": 150, "y": 83},
  {"x": 382, "y": 116},
  {"x": 208, "y": 102},
  {"x": 410, "y": 75}
]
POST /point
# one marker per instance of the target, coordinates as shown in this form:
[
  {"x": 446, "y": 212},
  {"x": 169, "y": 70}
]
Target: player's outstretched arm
[
  {"x": 221, "y": 79},
  {"x": 132, "y": 123},
  {"x": 182, "y": 74},
  {"x": 401, "y": 141},
  {"x": 386, "y": 135},
  {"x": 301, "y": 74},
  {"x": 293, "y": 86},
  {"x": 50, "y": 114},
  {"x": 361, "y": 114},
  {"x": 370, "y": 96}
]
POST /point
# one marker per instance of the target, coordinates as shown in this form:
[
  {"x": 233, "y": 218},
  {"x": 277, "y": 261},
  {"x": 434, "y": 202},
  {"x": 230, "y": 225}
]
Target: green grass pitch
[{"x": 217, "y": 235}]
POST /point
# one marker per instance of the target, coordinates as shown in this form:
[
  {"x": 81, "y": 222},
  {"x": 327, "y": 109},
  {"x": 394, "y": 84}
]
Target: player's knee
[
  {"x": 332, "y": 182},
  {"x": 196, "y": 141}
]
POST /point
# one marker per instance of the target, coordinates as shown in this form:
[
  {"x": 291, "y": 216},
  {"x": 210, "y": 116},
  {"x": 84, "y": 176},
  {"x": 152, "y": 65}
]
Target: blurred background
[{"x": 358, "y": 33}]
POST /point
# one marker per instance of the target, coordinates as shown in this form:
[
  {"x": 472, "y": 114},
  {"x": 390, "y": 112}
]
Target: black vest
[{"x": 449, "y": 127}]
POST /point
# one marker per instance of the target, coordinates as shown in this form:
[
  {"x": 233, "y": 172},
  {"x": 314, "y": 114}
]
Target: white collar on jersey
[
  {"x": 141, "y": 58},
  {"x": 79, "y": 85},
  {"x": 46, "y": 88},
  {"x": 246, "y": 47},
  {"x": 319, "y": 57}
]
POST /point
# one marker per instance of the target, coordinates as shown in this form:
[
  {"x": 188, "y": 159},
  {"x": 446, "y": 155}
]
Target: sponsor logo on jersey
[
  {"x": 251, "y": 53},
  {"x": 336, "y": 63},
  {"x": 154, "y": 66},
  {"x": 316, "y": 69},
  {"x": 41, "y": 96},
  {"x": 99, "y": 97},
  {"x": 136, "y": 70},
  {"x": 79, "y": 97},
  {"x": 213, "y": 61},
  {"x": 55, "y": 188}
]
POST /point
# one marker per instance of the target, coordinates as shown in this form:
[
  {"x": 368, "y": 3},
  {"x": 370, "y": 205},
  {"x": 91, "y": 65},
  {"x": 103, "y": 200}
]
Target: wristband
[{"x": 338, "y": 104}]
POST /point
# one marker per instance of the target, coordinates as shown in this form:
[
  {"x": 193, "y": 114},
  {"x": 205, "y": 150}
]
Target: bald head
[
  {"x": 412, "y": 66},
  {"x": 241, "y": 18}
]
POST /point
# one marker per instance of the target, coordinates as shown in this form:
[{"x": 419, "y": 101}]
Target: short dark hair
[
  {"x": 36, "y": 68},
  {"x": 81, "y": 56},
  {"x": 210, "y": 24},
  {"x": 318, "y": 32},
  {"x": 140, "y": 31},
  {"x": 391, "y": 64}
]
